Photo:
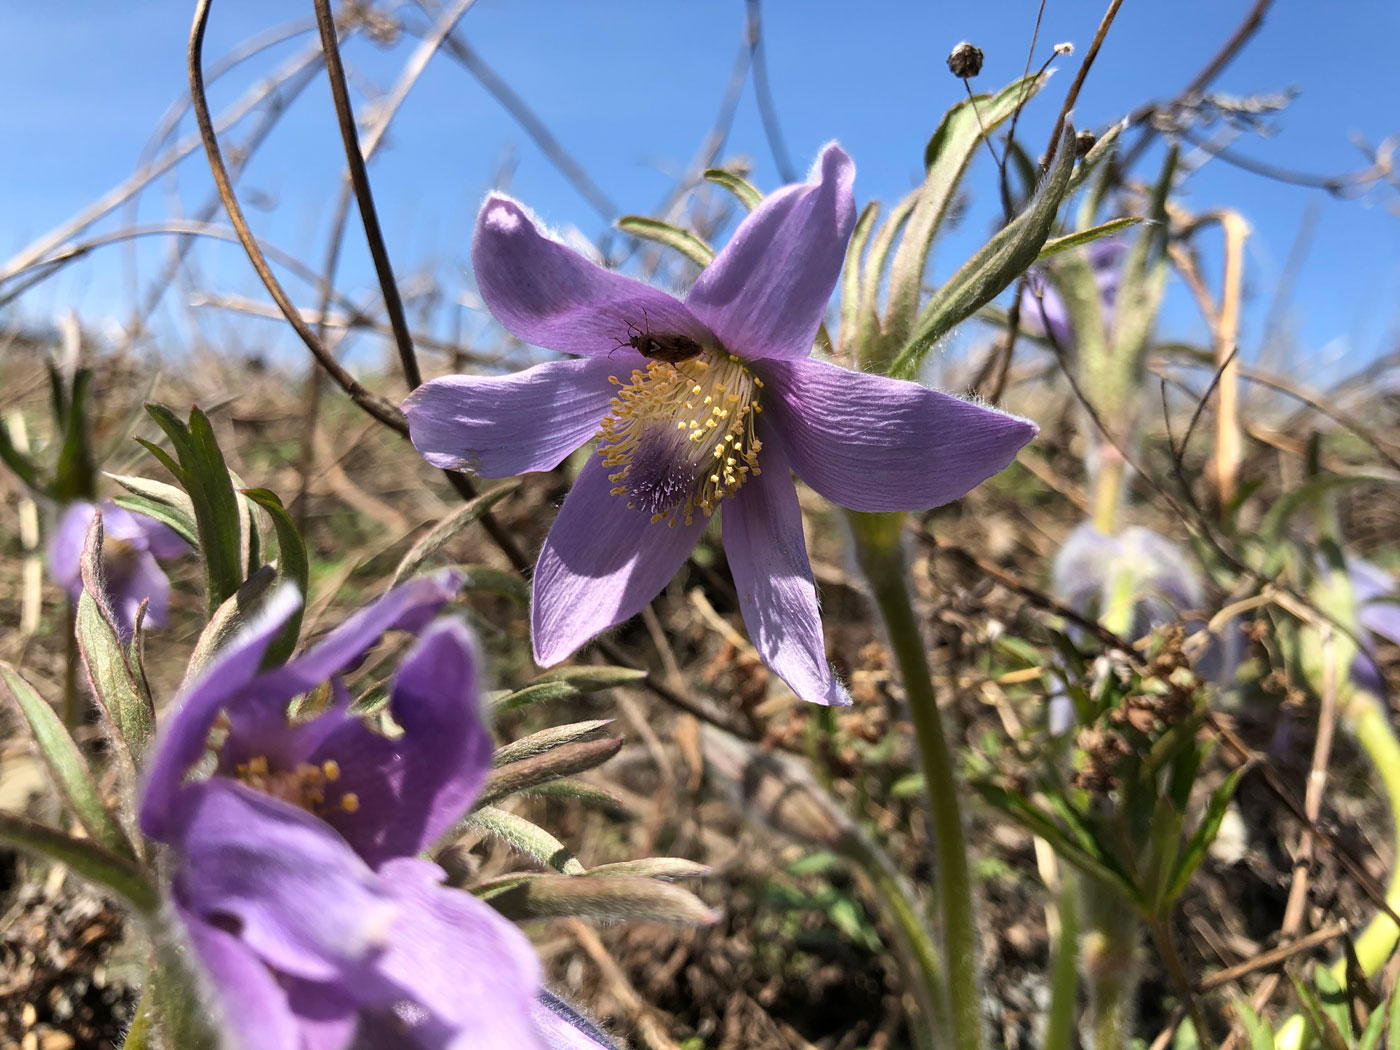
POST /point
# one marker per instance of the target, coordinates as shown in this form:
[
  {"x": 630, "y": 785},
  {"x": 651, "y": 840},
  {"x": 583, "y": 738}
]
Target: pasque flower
[
  {"x": 1043, "y": 310},
  {"x": 295, "y": 874},
  {"x": 1377, "y": 598},
  {"x": 696, "y": 404},
  {"x": 131, "y": 545}
]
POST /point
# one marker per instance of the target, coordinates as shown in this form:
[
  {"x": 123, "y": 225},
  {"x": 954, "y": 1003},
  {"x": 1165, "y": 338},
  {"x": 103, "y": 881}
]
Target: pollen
[
  {"x": 680, "y": 436},
  {"x": 350, "y": 802},
  {"x": 303, "y": 785}
]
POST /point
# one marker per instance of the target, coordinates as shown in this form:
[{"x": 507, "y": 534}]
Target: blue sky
[{"x": 631, "y": 87}]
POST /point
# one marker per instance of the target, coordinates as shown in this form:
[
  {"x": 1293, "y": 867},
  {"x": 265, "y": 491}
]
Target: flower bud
[{"x": 965, "y": 61}]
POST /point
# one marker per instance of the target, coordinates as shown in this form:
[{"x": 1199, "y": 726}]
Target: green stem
[
  {"x": 923, "y": 970},
  {"x": 1064, "y": 972},
  {"x": 70, "y": 668},
  {"x": 878, "y": 549},
  {"x": 1110, "y": 963},
  {"x": 1370, "y": 722}
]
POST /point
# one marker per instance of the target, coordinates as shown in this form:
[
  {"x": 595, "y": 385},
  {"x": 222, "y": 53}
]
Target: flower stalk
[{"x": 879, "y": 552}]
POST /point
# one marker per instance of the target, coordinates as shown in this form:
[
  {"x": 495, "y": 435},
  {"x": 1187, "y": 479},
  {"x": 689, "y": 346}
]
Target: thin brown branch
[
  {"x": 376, "y": 406},
  {"x": 1072, "y": 96}
]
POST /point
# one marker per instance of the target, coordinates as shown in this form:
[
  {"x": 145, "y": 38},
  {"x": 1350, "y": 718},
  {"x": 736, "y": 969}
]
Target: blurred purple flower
[
  {"x": 697, "y": 403},
  {"x": 1043, "y": 311},
  {"x": 1376, "y": 596},
  {"x": 131, "y": 545},
  {"x": 565, "y": 1028},
  {"x": 294, "y": 867},
  {"x": 1092, "y": 573}
]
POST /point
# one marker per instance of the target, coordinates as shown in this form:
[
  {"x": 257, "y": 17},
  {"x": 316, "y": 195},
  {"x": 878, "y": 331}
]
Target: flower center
[
  {"x": 682, "y": 435},
  {"x": 303, "y": 786},
  {"x": 118, "y": 560}
]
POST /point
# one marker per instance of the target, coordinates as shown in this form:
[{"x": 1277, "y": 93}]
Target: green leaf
[
  {"x": 654, "y": 868},
  {"x": 165, "y": 503},
  {"x": 490, "y": 580},
  {"x": 749, "y": 197},
  {"x": 1204, "y": 835},
  {"x": 454, "y": 523},
  {"x": 219, "y": 513},
  {"x": 228, "y": 618},
  {"x": 292, "y": 567},
  {"x": 1004, "y": 258},
  {"x": 947, "y": 156},
  {"x": 65, "y": 762},
  {"x": 75, "y": 475},
  {"x": 683, "y": 241},
  {"x": 17, "y": 461},
  {"x": 1332, "y": 999},
  {"x": 524, "y": 837},
  {"x": 547, "y": 740},
  {"x": 851, "y": 278},
  {"x": 1074, "y": 240},
  {"x": 87, "y": 858},
  {"x": 1260, "y": 1035},
  {"x": 566, "y": 684},
  {"x": 869, "y": 344},
  {"x": 1318, "y": 1018},
  {"x": 554, "y": 764},
  {"x": 1371, "y": 1037},
  {"x": 624, "y": 898},
  {"x": 115, "y": 684}
]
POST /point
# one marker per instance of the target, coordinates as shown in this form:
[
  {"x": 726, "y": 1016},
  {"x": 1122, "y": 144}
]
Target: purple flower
[
  {"x": 565, "y": 1028},
  {"x": 1093, "y": 573},
  {"x": 697, "y": 403},
  {"x": 294, "y": 868},
  {"x": 1043, "y": 311},
  {"x": 1375, "y": 593},
  {"x": 131, "y": 543}
]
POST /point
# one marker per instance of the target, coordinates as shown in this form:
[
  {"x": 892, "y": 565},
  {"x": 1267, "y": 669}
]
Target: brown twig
[
  {"x": 1072, "y": 96},
  {"x": 376, "y": 406}
]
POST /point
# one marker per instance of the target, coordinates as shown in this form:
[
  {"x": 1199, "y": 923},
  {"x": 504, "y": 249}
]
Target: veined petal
[
  {"x": 199, "y": 703},
  {"x": 471, "y": 975},
  {"x": 407, "y": 607},
  {"x": 66, "y": 546},
  {"x": 501, "y": 426},
  {"x": 409, "y": 789},
  {"x": 548, "y": 294},
  {"x": 768, "y": 558},
  {"x": 1376, "y": 594},
  {"x": 565, "y": 1028},
  {"x": 600, "y": 564},
  {"x": 872, "y": 443},
  {"x": 297, "y": 893},
  {"x": 251, "y": 1007},
  {"x": 764, "y": 295}
]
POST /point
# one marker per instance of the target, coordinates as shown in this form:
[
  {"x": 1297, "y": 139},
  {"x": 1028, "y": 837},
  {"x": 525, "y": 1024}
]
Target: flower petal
[
  {"x": 565, "y": 1028},
  {"x": 327, "y": 1016},
  {"x": 764, "y": 295},
  {"x": 407, "y": 607},
  {"x": 141, "y": 579},
  {"x": 872, "y": 443},
  {"x": 252, "y": 1008},
  {"x": 768, "y": 558},
  {"x": 550, "y": 295},
  {"x": 472, "y": 973},
  {"x": 66, "y": 546},
  {"x": 1376, "y": 595},
  {"x": 412, "y": 788},
  {"x": 501, "y": 426},
  {"x": 300, "y": 897},
  {"x": 600, "y": 564},
  {"x": 199, "y": 704}
]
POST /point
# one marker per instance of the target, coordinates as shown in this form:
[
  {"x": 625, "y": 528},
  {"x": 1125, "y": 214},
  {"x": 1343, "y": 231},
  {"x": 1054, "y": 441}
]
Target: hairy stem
[{"x": 878, "y": 548}]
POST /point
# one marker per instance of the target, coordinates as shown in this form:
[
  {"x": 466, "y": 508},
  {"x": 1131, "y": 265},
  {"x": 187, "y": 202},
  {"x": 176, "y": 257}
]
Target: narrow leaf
[
  {"x": 70, "y": 773},
  {"x": 75, "y": 475},
  {"x": 947, "y": 156},
  {"x": 683, "y": 241},
  {"x": 654, "y": 868},
  {"x": 17, "y": 461},
  {"x": 524, "y": 837},
  {"x": 559, "y": 762},
  {"x": 1074, "y": 240},
  {"x": 1004, "y": 258},
  {"x": 454, "y": 523},
  {"x": 851, "y": 278},
  {"x": 547, "y": 740},
  {"x": 117, "y": 873},
  {"x": 749, "y": 197},
  {"x": 292, "y": 567},
  {"x": 1260, "y": 1036},
  {"x": 1204, "y": 835},
  {"x": 165, "y": 503},
  {"x": 617, "y": 898},
  {"x": 566, "y": 684}
]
